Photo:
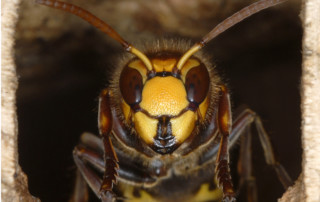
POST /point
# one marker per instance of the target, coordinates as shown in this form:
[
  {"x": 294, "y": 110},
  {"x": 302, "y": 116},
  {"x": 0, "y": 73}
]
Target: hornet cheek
[{"x": 183, "y": 125}]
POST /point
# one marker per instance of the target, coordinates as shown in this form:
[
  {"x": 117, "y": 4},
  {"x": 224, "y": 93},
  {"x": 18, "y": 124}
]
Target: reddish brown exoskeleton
[{"x": 165, "y": 124}]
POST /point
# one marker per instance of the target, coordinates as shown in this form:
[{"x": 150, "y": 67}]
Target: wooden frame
[{"x": 14, "y": 182}]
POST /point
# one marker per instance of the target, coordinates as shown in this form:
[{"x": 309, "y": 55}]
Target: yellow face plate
[{"x": 164, "y": 96}]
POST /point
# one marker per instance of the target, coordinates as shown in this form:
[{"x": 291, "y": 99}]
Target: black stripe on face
[{"x": 164, "y": 141}]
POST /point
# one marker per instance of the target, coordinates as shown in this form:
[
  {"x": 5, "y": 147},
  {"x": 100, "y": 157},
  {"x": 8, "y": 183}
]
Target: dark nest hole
[{"x": 60, "y": 80}]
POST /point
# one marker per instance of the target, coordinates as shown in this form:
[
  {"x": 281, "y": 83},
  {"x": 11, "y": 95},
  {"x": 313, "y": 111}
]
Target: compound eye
[
  {"x": 131, "y": 85},
  {"x": 197, "y": 84}
]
